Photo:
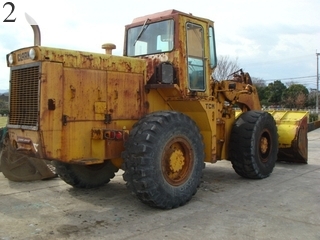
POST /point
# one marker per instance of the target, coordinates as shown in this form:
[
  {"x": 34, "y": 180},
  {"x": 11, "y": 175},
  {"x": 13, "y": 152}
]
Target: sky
[{"x": 270, "y": 39}]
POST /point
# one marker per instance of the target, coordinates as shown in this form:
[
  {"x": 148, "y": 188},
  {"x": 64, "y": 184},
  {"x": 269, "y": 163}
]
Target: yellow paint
[
  {"x": 176, "y": 160},
  {"x": 100, "y": 109},
  {"x": 288, "y": 123}
]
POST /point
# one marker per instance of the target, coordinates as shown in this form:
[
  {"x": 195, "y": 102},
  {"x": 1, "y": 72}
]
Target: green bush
[
  {"x": 4, "y": 111},
  {"x": 313, "y": 117}
]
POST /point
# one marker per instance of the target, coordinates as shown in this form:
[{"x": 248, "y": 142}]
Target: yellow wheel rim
[{"x": 177, "y": 161}]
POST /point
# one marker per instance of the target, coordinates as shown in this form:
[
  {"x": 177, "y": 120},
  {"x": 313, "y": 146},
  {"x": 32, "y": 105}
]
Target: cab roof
[{"x": 166, "y": 13}]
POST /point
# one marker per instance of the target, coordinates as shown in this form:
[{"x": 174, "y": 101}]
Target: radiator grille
[{"x": 24, "y": 94}]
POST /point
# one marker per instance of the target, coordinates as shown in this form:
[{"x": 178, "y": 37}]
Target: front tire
[
  {"x": 163, "y": 159},
  {"x": 86, "y": 176},
  {"x": 254, "y": 144}
]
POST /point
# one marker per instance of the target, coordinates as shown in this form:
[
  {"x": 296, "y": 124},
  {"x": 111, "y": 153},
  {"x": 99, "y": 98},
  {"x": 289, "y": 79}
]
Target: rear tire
[
  {"x": 254, "y": 145},
  {"x": 86, "y": 176},
  {"x": 163, "y": 160}
]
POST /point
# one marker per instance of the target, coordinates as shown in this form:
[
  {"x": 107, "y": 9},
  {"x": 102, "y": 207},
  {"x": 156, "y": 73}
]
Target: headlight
[
  {"x": 10, "y": 58},
  {"x": 32, "y": 53}
]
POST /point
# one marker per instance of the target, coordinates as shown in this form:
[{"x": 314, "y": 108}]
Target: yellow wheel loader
[{"x": 156, "y": 112}]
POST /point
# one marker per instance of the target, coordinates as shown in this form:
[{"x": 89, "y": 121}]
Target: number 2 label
[{"x": 7, "y": 19}]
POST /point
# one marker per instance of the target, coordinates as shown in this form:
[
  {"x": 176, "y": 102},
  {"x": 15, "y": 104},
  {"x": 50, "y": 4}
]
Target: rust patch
[{"x": 152, "y": 62}]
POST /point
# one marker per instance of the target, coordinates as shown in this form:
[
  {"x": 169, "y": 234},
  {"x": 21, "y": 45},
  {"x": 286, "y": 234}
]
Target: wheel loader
[{"x": 156, "y": 112}]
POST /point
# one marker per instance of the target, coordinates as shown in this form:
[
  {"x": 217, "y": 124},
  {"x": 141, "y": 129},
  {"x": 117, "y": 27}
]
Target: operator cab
[{"x": 171, "y": 44}]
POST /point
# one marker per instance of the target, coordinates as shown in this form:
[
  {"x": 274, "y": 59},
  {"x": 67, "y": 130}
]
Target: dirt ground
[{"x": 284, "y": 206}]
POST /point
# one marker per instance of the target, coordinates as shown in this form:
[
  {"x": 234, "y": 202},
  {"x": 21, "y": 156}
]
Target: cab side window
[{"x": 195, "y": 58}]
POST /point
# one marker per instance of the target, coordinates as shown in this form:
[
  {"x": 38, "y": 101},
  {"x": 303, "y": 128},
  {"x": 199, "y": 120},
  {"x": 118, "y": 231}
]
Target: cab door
[{"x": 195, "y": 57}]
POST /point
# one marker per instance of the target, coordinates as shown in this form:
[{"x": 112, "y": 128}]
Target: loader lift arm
[{"x": 238, "y": 91}]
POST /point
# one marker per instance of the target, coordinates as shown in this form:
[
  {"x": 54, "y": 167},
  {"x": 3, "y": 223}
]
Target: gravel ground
[{"x": 226, "y": 206}]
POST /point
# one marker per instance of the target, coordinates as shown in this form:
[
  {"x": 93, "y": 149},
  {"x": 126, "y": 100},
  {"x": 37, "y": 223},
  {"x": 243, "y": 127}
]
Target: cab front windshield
[{"x": 150, "y": 38}]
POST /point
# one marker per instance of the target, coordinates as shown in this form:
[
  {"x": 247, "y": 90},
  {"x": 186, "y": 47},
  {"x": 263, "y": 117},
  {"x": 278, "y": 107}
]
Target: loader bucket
[
  {"x": 292, "y": 131},
  {"x": 20, "y": 167}
]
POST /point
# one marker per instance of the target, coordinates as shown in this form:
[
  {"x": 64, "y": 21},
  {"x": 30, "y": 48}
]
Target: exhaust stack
[{"x": 36, "y": 30}]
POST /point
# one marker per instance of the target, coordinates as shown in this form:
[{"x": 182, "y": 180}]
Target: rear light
[
  {"x": 113, "y": 135},
  {"x": 118, "y": 135},
  {"x": 106, "y": 134}
]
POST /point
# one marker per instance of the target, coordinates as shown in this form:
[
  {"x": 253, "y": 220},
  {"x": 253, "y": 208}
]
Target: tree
[
  {"x": 225, "y": 67},
  {"x": 300, "y": 101},
  {"x": 274, "y": 92},
  {"x": 3, "y": 104},
  {"x": 4, "y": 109},
  {"x": 291, "y": 83},
  {"x": 261, "y": 86},
  {"x": 258, "y": 82},
  {"x": 296, "y": 96}
]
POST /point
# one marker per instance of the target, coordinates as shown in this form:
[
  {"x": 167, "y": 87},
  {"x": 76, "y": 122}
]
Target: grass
[{"x": 3, "y": 121}]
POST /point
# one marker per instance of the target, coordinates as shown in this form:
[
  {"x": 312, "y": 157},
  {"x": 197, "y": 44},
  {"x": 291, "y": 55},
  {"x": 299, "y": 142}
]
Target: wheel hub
[
  {"x": 263, "y": 145},
  {"x": 177, "y": 161}
]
